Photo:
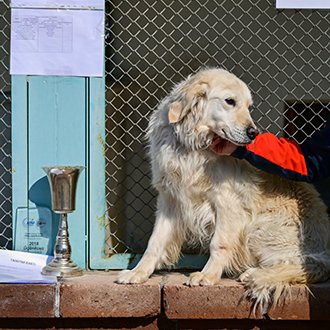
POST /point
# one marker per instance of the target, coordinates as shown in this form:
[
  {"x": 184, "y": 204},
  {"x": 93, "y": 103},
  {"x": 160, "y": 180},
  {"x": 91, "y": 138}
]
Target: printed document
[
  {"x": 23, "y": 267},
  {"x": 48, "y": 41},
  {"x": 87, "y": 4}
]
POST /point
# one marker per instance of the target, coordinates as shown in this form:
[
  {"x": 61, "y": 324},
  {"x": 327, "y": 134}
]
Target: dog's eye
[{"x": 230, "y": 102}]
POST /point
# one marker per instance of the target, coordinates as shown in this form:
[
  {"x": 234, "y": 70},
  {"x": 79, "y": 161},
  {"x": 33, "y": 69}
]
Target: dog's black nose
[{"x": 252, "y": 132}]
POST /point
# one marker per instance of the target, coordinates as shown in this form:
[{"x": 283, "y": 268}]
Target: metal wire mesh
[
  {"x": 5, "y": 130},
  {"x": 281, "y": 54}
]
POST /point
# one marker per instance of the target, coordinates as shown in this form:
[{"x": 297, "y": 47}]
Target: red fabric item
[{"x": 283, "y": 152}]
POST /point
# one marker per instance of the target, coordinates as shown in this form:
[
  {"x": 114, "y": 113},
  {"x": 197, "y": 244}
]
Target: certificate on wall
[
  {"x": 302, "y": 4},
  {"x": 64, "y": 38}
]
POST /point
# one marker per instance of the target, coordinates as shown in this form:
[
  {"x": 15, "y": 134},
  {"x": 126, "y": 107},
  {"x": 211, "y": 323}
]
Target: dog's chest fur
[{"x": 198, "y": 174}]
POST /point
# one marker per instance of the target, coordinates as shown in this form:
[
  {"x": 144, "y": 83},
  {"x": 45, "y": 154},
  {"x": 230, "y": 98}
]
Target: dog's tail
[{"x": 271, "y": 285}]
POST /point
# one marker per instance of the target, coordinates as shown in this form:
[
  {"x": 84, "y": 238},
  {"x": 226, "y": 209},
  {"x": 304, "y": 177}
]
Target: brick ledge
[{"x": 96, "y": 295}]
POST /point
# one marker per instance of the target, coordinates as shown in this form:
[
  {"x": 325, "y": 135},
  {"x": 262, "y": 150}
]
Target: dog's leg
[
  {"x": 213, "y": 269},
  {"x": 163, "y": 247},
  {"x": 222, "y": 245},
  {"x": 220, "y": 253}
]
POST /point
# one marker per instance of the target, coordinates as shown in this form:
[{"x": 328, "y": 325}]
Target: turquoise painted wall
[{"x": 52, "y": 119}]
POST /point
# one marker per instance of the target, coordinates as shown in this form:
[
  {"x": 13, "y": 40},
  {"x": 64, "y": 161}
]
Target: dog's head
[{"x": 212, "y": 104}]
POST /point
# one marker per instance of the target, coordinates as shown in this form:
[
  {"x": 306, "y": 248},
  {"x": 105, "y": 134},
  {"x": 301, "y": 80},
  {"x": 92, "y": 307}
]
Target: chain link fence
[
  {"x": 150, "y": 44},
  {"x": 283, "y": 55},
  {"x": 5, "y": 130}
]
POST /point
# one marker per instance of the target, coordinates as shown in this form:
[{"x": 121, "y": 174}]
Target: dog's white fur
[{"x": 268, "y": 231}]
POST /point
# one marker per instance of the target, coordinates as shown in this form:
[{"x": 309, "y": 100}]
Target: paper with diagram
[{"x": 46, "y": 40}]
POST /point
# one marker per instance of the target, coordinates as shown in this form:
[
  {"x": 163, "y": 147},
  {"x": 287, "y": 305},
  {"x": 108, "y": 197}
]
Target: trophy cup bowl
[{"x": 63, "y": 184}]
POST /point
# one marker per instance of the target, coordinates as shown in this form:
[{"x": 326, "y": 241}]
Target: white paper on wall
[
  {"x": 302, "y": 4},
  {"x": 87, "y": 4},
  {"x": 64, "y": 42}
]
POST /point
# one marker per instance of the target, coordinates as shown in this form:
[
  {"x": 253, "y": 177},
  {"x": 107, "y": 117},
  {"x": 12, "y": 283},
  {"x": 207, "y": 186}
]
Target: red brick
[
  {"x": 203, "y": 302},
  {"x": 27, "y": 300},
  {"x": 224, "y": 301},
  {"x": 97, "y": 295}
]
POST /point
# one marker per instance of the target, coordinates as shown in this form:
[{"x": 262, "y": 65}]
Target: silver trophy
[{"x": 63, "y": 183}]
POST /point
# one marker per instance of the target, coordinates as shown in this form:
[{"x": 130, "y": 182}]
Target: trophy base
[{"x": 62, "y": 268}]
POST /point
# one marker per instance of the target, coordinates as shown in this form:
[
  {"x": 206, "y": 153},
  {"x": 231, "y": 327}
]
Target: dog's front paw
[
  {"x": 199, "y": 278},
  {"x": 132, "y": 277}
]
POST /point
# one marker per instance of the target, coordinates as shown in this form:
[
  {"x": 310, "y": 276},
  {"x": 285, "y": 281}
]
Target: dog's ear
[
  {"x": 189, "y": 98},
  {"x": 174, "y": 112}
]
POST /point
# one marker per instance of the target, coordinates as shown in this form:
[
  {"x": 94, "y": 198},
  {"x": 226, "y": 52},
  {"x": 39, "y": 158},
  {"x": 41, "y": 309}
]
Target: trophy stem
[
  {"x": 62, "y": 248},
  {"x": 62, "y": 265}
]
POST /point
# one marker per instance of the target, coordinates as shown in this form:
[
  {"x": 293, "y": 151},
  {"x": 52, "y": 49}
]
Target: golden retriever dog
[{"x": 266, "y": 231}]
